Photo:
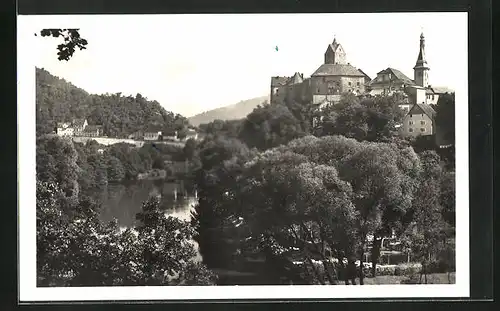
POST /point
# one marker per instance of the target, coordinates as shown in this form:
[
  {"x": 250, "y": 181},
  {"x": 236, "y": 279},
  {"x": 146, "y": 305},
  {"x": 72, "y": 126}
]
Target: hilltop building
[{"x": 334, "y": 77}]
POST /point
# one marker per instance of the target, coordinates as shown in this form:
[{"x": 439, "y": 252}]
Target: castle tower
[
  {"x": 421, "y": 70},
  {"x": 335, "y": 54}
]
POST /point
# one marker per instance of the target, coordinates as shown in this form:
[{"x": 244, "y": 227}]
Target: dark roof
[
  {"x": 279, "y": 81},
  {"x": 92, "y": 128},
  {"x": 297, "y": 78},
  {"x": 337, "y": 70},
  {"x": 440, "y": 90},
  {"x": 334, "y": 45},
  {"x": 366, "y": 76},
  {"x": 421, "y": 62},
  {"x": 394, "y": 73},
  {"x": 427, "y": 109},
  {"x": 78, "y": 122}
]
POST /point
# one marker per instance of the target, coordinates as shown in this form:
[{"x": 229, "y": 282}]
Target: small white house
[
  {"x": 152, "y": 135},
  {"x": 65, "y": 129}
]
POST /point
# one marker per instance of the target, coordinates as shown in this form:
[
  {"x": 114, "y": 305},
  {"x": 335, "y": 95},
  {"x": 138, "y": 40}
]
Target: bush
[
  {"x": 412, "y": 279},
  {"x": 407, "y": 269},
  {"x": 386, "y": 270},
  {"x": 440, "y": 266}
]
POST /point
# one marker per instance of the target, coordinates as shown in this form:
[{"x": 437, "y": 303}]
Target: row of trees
[
  {"x": 323, "y": 195},
  {"x": 76, "y": 166}
]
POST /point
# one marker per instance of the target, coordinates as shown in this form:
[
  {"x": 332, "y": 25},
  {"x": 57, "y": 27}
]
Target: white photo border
[{"x": 29, "y": 292}]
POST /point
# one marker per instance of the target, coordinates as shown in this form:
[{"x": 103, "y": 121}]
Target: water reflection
[{"x": 123, "y": 202}]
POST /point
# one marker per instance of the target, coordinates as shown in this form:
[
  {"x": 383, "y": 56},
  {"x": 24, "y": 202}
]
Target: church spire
[
  {"x": 421, "y": 55},
  {"x": 421, "y": 69}
]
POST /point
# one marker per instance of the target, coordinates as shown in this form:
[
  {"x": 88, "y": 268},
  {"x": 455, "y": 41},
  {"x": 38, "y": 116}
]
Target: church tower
[
  {"x": 421, "y": 70},
  {"x": 335, "y": 54}
]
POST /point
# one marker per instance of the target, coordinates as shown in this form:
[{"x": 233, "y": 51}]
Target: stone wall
[{"x": 320, "y": 85}]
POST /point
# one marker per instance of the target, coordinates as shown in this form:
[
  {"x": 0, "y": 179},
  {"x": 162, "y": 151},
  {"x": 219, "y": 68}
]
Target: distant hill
[
  {"x": 232, "y": 112},
  {"x": 57, "y": 100}
]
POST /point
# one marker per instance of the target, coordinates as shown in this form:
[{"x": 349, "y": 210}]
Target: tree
[
  {"x": 270, "y": 126},
  {"x": 74, "y": 248},
  {"x": 371, "y": 119},
  {"x": 222, "y": 161},
  {"x": 425, "y": 235},
  {"x": 59, "y": 101},
  {"x": 295, "y": 204},
  {"x": 166, "y": 255},
  {"x": 445, "y": 116},
  {"x": 382, "y": 177},
  {"x": 71, "y": 40},
  {"x": 57, "y": 162},
  {"x": 190, "y": 149},
  {"x": 116, "y": 171},
  {"x": 447, "y": 197}
]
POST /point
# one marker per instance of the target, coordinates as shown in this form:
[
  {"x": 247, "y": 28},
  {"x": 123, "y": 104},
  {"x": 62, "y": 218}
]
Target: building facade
[
  {"x": 64, "y": 129},
  {"x": 152, "y": 136},
  {"x": 79, "y": 127},
  {"x": 92, "y": 131},
  {"x": 419, "y": 121}
]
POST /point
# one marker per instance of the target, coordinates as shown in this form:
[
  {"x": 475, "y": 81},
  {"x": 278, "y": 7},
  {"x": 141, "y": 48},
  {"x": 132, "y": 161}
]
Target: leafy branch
[{"x": 72, "y": 40}]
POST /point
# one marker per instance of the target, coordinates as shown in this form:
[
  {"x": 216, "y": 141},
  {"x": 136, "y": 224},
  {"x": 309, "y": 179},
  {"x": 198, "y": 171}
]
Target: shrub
[
  {"x": 411, "y": 279},
  {"x": 407, "y": 269},
  {"x": 385, "y": 270},
  {"x": 440, "y": 266}
]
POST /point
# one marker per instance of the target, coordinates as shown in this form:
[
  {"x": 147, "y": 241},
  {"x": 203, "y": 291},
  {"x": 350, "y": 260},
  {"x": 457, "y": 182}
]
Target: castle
[
  {"x": 333, "y": 78},
  {"x": 336, "y": 77}
]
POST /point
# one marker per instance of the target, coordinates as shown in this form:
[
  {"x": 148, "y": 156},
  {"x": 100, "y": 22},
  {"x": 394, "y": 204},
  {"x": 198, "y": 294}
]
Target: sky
[{"x": 195, "y": 63}]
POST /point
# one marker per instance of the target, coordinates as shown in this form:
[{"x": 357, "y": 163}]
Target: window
[
  {"x": 318, "y": 89},
  {"x": 422, "y": 122},
  {"x": 411, "y": 115},
  {"x": 349, "y": 83},
  {"x": 410, "y": 130},
  {"x": 357, "y": 84},
  {"x": 410, "y": 122},
  {"x": 432, "y": 97},
  {"x": 422, "y": 129}
]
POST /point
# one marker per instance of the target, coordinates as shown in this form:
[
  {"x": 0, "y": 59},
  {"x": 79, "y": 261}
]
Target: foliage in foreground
[
  {"x": 315, "y": 201},
  {"x": 74, "y": 248}
]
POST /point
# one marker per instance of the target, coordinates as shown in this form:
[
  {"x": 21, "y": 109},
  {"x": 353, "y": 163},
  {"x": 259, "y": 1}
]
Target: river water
[{"x": 123, "y": 202}]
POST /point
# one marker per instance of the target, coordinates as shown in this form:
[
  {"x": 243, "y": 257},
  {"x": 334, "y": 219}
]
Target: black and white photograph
[{"x": 243, "y": 156}]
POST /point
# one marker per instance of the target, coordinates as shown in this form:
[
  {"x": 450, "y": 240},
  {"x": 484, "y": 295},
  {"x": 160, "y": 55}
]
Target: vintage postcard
[{"x": 243, "y": 156}]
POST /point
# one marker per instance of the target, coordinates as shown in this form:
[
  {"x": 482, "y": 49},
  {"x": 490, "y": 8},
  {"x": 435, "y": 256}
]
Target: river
[{"x": 123, "y": 202}]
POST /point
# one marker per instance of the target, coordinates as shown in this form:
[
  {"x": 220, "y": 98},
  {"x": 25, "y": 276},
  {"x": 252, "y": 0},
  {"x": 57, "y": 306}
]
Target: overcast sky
[{"x": 194, "y": 63}]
